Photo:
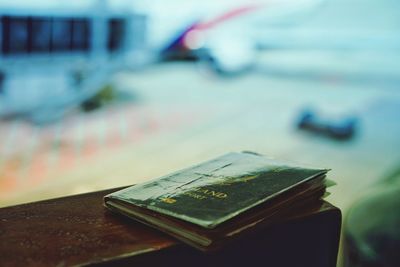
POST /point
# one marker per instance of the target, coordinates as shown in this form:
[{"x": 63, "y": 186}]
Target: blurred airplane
[
  {"x": 226, "y": 40},
  {"x": 228, "y": 35}
]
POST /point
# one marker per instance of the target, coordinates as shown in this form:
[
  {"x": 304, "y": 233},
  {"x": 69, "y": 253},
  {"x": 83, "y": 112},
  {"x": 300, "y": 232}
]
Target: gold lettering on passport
[
  {"x": 168, "y": 200},
  {"x": 210, "y": 192},
  {"x": 194, "y": 195}
]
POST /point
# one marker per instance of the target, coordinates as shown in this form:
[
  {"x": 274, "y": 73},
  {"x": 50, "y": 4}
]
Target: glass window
[
  {"x": 116, "y": 33},
  {"x": 80, "y": 34},
  {"x": 40, "y": 34},
  {"x": 15, "y": 35},
  {"x": 61, "y": 35}
]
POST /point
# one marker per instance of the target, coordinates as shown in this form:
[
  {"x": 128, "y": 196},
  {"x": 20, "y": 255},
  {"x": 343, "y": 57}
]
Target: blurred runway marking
[
  {"x": 30, "y": 153},
  {"x": 7, "y": 140},
  {"x": 33, "y": 155}
]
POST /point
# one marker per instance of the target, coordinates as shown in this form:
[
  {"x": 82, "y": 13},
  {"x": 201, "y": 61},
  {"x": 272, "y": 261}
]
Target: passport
[{"x": 215, "y": 202}]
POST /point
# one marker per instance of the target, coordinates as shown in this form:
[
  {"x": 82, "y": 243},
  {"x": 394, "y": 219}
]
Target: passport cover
[{"x": 218, "y": 190}]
